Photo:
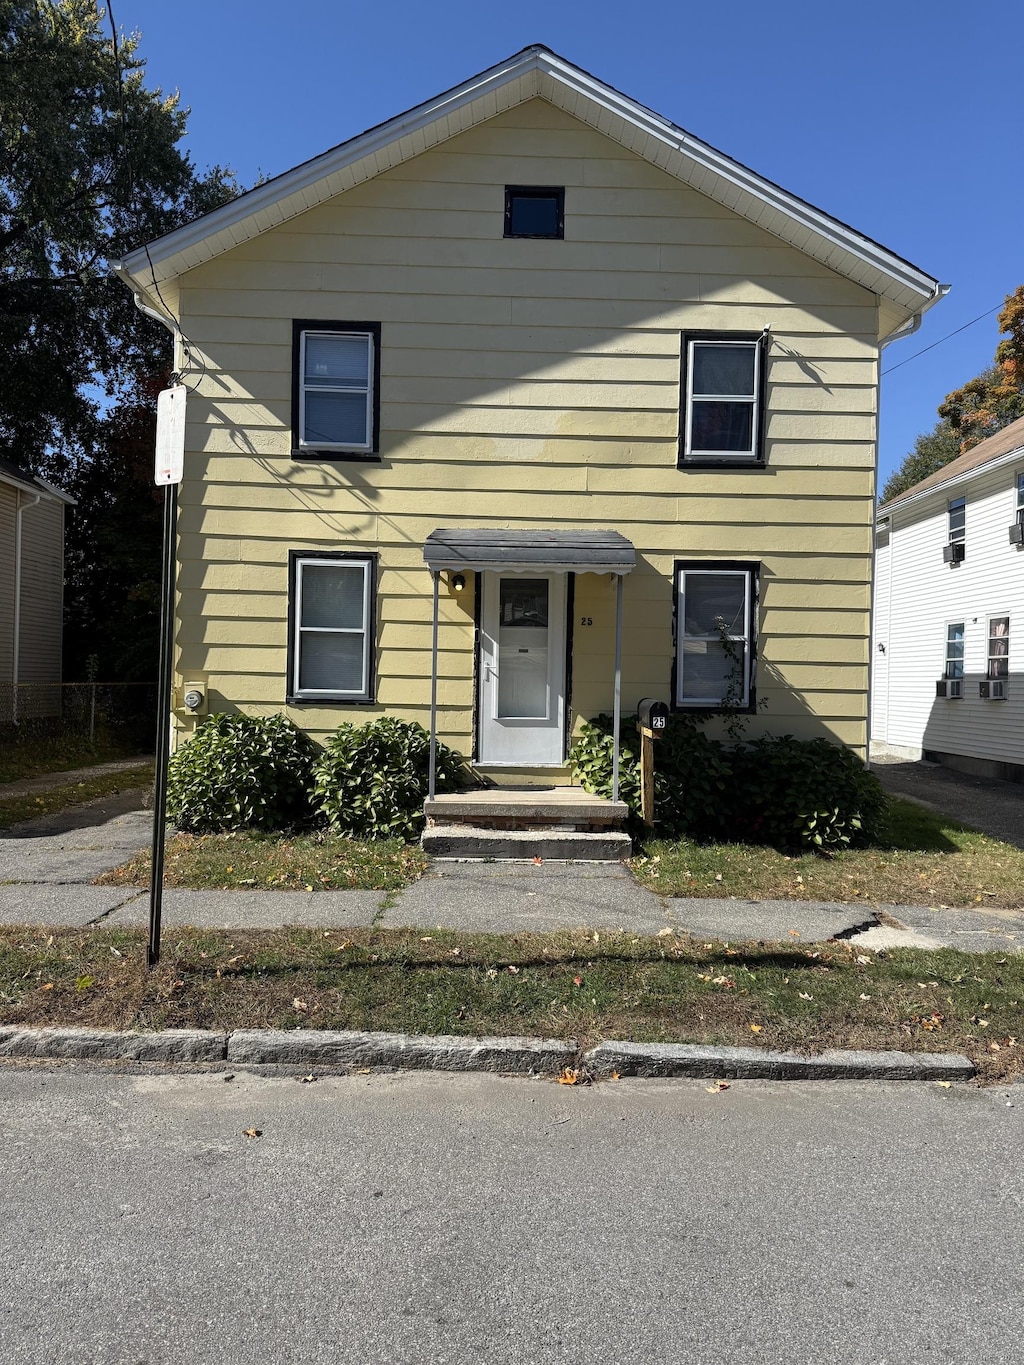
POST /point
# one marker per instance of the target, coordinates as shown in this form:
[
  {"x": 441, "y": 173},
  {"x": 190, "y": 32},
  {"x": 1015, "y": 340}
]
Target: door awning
[{"x": 526, "y": 551}]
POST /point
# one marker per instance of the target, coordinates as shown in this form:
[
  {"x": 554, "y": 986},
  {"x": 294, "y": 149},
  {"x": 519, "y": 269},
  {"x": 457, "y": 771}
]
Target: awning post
[
  {"x": 432, "y": 783},
  {"x": 617, "y": 704}
]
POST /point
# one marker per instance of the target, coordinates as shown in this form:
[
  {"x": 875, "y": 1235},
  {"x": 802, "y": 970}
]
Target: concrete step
[
  {"x": 561, "y": 808},
  {"x": 466, "y": 841}
]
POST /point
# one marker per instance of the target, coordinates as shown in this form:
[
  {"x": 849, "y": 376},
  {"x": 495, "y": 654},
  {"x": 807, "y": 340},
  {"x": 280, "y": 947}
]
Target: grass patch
[
  {"x": 15, "y": 809},
  {"x": 575, "y": 985},
  {"x": 41, "y": 754},
  {"x": 309, "y": 862},
  {"x": 923, "y": 859}
]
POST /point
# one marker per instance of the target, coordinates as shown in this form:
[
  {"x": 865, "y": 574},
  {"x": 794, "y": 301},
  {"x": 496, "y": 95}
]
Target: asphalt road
[{"x": 420, "y": 1218}]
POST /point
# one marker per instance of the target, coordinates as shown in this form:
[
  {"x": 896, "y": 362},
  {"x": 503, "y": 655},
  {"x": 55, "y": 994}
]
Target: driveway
[{"x": 994, "y": 807}]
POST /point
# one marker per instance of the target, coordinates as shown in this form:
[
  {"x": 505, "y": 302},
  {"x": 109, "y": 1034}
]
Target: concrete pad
[
  {"x": 504, "y": 898},
  {"x": 773, "y": 921},
  {"x": 55, "y": 903},
  {"x": 47, "y": 851},
  {"x": 970, "y": 930},
  {"x": 259, "y": 909}
]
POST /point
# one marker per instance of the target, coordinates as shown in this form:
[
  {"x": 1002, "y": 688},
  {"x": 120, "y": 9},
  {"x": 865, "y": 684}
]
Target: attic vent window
[{"x": 534, "y": 211}]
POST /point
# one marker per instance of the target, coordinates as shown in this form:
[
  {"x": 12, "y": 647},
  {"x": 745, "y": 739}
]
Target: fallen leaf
[
  {"x": 865, "y": 997},
  {"x": 577, "y": 981},
  {"x": 569, "y": 1076},
  {"x": 756, "y": 1028},
  {"x": 614, "y": 1076},
  {"x": 427, "y": 938},
  {"x": 805, "y": 996},
  {"x": 794, "y": 933},
  {"x": 47, "y": 987},
  {"x": 492, "y": 973},
  {"x": 306, "y": 1079},
  {"x": 864, "y": 960},
  {"x": 514, "y": 971},
  {"x": 666, "y": 932},
  {"x": 717, "y": 1088},
  {"x": 945, "y": 1084},
  {"x": 229, "y": 869},
  {"x": 363, "y": 1071},
  {"x": 252, "y": 1132},
  {"x": 300, "y": 1005},
  {"x": 538, "y": 860}
]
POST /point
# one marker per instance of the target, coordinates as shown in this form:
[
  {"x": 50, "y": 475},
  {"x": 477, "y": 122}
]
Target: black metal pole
[{"x": 163, "y": 722}]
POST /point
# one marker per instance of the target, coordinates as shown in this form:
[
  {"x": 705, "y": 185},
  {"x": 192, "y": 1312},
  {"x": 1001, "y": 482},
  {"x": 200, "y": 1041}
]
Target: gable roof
[
  {"x": 537, "y": 71},
  {"x": 997, "y": 449},
  {"x": 16, "y": 477}
]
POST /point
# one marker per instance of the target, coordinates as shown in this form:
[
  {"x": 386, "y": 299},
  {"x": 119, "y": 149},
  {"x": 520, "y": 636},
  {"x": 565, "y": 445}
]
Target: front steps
[{"x": 557, "y": 823}]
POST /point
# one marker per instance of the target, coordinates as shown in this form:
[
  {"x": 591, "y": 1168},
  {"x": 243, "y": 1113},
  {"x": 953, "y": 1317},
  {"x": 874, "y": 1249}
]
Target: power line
[{"x": 942, "y": 339}]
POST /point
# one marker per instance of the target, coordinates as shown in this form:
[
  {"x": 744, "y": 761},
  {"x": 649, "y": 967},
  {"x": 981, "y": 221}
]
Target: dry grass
[
  {"x": 924, "y": 859},
  {"x": 574, "y": 985},
  {"x": 309, "y": 862}
]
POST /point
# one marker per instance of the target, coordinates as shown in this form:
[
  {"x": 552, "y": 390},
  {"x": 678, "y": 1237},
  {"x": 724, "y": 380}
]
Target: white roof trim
[
  {"x": 538, "y": 71},
  {"x": 39, "y": 486},
  {"x": 944, "y": 485}
]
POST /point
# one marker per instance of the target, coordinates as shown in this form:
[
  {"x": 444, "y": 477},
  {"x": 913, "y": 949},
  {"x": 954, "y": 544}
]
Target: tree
[
  {"x": 89, "y": 167},
  {"x": 983, "y": 406}
]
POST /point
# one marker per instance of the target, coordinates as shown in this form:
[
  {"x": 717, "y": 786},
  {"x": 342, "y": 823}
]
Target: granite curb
[{"x": 311, "y": 1048}]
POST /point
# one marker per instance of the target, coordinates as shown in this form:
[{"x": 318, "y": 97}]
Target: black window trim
[
  {"x": 726, "y": 460},
  {"x": 535, "y": 192},
  {"x": 325, "y": 453},
  {"x": 751, "y": 567},
  {"x": 293, "y": 697}
]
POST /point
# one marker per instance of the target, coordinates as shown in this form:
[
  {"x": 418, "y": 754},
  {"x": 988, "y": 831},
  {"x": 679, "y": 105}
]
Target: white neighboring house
[{"x": 948, "y": 669}]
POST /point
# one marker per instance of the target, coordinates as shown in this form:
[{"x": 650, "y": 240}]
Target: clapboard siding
[
  {"x": 8, "y": 513},
  {"x": 531, "y": 384},
  {"x": 917, "y": 596}
]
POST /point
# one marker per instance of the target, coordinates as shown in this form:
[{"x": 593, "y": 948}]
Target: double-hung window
[
  {"x": 335, "y": 389},
  {"x": 715, "y": 634},
  {"x": 331, "y": 600},
  {"x": 998, "y": 669},
  {"x": 953, "y": 672},
  {"x": 957, "y": 521},
  {"x": 1020, "y": 499},
  {"x": 723, "y": 406}
]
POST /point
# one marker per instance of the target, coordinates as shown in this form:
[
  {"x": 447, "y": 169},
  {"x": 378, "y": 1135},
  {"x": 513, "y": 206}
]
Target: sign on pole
[
  {"x": 170, "y": 466},
  {"x": 170, "y": 435}
]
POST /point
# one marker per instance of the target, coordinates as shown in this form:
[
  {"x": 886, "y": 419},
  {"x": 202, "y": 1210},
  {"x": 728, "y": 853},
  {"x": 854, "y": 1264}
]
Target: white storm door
[{"x": 522, "y": 669}]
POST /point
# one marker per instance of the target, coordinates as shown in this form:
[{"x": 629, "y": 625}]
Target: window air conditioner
[
  {"x": 949, "y": 687},
  {"x": 954, "y": 552},
  {"x": 1017, "y": 533},
  {"x": 994, "y": 689}
]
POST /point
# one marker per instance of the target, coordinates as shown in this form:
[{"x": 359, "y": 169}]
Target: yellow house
[{"x": 520, "y": 374}]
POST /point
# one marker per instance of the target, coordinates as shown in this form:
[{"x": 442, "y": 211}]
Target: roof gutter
[
  {"x": 144, "y": 302},
  {"x": 913, "y": 323},
  {"x": 16, "y": 642}
]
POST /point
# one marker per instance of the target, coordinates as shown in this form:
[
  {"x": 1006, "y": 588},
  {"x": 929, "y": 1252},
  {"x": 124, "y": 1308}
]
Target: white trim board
[{"x": 537, "y": 71}]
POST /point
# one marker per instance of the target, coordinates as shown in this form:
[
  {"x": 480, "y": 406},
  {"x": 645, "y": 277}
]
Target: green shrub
[
  {"x": 242, "y": 772},
  {"x": 787, "y": 792},
  {"x": 691, "y": 774},
  {"x": 790, "y": 792},
  {"x": 371, "y": 780}
]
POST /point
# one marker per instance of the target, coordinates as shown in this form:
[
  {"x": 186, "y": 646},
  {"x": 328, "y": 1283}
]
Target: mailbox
[{"x": 652, "y": 715}]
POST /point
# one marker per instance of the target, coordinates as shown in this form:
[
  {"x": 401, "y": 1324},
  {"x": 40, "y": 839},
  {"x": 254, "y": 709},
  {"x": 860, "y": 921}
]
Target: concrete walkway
[
  {"x": 994, "y": 807},
  {"x": 31, "y": 786},
  {"x": 47, "y": 865}
]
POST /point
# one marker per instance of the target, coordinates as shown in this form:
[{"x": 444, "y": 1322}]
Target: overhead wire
[{"x": 932, "y": 347}]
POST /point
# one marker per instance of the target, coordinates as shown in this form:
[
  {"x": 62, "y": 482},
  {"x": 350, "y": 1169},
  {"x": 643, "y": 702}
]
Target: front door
[{"x": 522, "y": 669}]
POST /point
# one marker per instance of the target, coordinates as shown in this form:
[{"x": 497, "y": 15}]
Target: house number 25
[{"x": 586, "y": 620}]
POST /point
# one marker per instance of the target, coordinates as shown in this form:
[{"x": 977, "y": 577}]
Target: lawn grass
[
  {"x": 15, "y": 809},
  {"x": 308, "y": 862},
  {"x": 923, "y": 859},
  {"x": 41, "y": 754},
  {"x": 574, "y": 985}
]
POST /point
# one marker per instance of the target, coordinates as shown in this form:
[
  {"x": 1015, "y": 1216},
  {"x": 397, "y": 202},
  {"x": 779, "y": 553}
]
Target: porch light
[{"x": 458, "y": 582}]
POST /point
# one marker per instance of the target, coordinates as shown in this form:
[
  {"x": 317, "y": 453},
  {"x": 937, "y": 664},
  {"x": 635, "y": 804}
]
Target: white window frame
[
  {"x": 958, "y": 536},
  {"x": 990, "y": 658},
  {"x": 955, "y": 677},
  {"x": 751, "y": 456},
  {"x": 1020, "y": 498},
  {"x": 371, "y": 360},
  {"x": 748, "y": 639},
  {"x": 301, "y": 562}
]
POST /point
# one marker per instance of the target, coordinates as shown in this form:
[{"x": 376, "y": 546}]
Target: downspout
[{"x": 16, "y": 649}]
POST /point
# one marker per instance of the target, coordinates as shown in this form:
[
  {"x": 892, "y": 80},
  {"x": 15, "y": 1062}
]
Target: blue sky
[{"x": 895, "y": 117}]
